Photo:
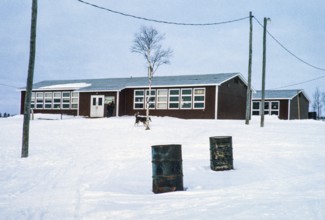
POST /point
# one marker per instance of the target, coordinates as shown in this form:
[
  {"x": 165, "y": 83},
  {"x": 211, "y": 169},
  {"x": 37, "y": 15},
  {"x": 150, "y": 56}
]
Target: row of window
[
  {"x": 55, "y": 100},
  {"x": 186, "y": 98},
  {"x": 270, "y": 107}
]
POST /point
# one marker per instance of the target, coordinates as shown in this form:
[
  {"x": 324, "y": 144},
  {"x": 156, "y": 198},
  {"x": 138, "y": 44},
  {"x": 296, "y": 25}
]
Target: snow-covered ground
[{"x": 101, "y": 169}]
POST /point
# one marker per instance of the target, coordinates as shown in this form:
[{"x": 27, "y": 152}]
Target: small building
[
  {"x": 286, "y": 104},
  {"x": 210, "y": 96}
]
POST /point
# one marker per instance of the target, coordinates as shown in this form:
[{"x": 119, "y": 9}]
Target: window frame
[
  {"x": 198, "y": 101},
  {"x": 57, "y": 105},
  {"x": 183, "y": 102},
  {"x": 268, "y": 108},
  {"x": 39, "y": 100},
  {"x": 160, "y": 96},
  {"x": 151, "y": 97},
  {"x": 186, "y": 98},
  {"x": 277, "y": 110},
  {"x": 65, "y": 100},
  {"x": 135, "y": 96},
  {"x": 74, "y": 103},
  {"x": 174, "y": 95},
  {"x": 32, "y": 101},
  {"x": 256, "y": 111},
  {"x": 48, "y": 100}
]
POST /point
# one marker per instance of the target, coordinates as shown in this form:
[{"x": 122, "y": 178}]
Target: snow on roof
[
  {"x": 66, "y": 86},
  {"x": 117, "y": 84}
]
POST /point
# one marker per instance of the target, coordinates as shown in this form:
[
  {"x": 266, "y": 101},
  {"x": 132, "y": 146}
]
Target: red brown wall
[
  {"x": 84, "y": 102},
  {"x": 284, "y": 109},
  {"x": 232, "y": 99},
  {"x": 303, "y": 106}
]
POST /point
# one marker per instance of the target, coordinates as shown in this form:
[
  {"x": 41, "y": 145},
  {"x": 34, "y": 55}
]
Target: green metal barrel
[
  {"x": 221, "y": 156},
  {"x": 167, "y": 170}
]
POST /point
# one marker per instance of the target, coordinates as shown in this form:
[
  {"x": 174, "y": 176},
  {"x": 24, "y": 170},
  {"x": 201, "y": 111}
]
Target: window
[
  {"x": 47, "y": 100},
  {"x": 275, "y": 108},
  {"x": 56, "y": 100},
  {"x": 162, "y": 98},
  {"x": 39, "y": 100},
  {"x": 32, "y": 102},
  {"x": 151, "y": 98},
  {"x": 94, "y": 103},
  {"x": 65, "y": 100},
  {"x": 256, "y": 108},
  {"x": 100, "y": 101},
  {"x": 186, "y": 98},
  {"x": 270, "y": 108},
  {"x": 174, "y": 98},
  {"x": 199, "y": 98},
  {"x": 74, "y": 100},
  {"x": 138, "y": 99},
  {"x": 266, "y": 108}
]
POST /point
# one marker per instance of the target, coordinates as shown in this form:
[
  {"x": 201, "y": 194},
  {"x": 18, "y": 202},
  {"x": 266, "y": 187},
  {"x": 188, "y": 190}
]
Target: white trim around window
[
  {"x": 151, "y": 98},
  {"x": 275, "y": 108},
  {"x": 256, "y": 107},
  {"x": 39, "y": 100},
  {"x": 74, "y": 100},
  {"x": 48, "y": 100},
  {"x": 186, "y": 98},
  {"x": 270, "y": 107},
  {"x": 162, "y": 98},
  {"x": 138, "y": 102},
  {"x": 198, "y": 98},
  {"x": 173, "y": 99},
  {"x": 55, "y": 100},
  {"x": 32, "y": 101},
  {"x": 66, "y": 100}
]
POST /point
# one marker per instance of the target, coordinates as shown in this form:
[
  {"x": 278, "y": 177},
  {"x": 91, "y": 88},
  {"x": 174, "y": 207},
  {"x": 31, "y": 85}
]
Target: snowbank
[{"x": 101, "y": 169}]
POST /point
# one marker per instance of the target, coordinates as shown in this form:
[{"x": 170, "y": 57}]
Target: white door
[{"x": 97, "y": 106}]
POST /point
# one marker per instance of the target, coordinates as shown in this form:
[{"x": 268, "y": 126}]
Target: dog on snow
[{"x": 139, "y": 118}]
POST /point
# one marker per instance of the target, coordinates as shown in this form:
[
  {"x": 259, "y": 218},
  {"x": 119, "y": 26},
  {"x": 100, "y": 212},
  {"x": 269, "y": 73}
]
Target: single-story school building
[
  {"x": 286, "y": 104},
  {"x": 210, "y": 96}
]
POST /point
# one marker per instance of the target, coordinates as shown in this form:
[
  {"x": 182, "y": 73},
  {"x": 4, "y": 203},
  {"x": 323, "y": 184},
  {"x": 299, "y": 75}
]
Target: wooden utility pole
[
  {"x": 29, "y": 86},
  {"x": 298, "y": 97},
  {"x": 249, "y": 86},
  {"x": 263, "y": 73}
]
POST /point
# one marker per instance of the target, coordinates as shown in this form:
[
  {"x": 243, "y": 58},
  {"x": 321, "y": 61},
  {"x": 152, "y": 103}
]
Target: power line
[
  {"x": 286, "y": 49},
  {"x": 1, "y": 84},
  {"x": 295, "y": 84},
  {"x": 211, "y": 24},
  {"x": 161, "y": 21},
  {"x": 298, "y": 58}
]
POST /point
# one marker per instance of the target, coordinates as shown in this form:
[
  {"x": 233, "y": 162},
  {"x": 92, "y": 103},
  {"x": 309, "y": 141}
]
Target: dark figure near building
[{"x": 110, "y": 109}]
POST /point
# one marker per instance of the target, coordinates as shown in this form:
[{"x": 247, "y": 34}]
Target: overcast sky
[{"x": 76, "y": 41}]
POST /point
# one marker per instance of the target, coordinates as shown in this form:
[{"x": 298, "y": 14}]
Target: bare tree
[
  {"x": 147, "y": 42},
  {"x": 317, "y": 103},
  {"x": 29, "y": 86}
]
